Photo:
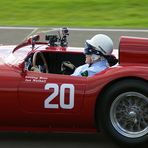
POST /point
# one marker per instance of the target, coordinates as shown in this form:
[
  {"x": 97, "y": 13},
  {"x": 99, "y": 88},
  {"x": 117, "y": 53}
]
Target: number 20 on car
[{"x": 61, "y": 92}]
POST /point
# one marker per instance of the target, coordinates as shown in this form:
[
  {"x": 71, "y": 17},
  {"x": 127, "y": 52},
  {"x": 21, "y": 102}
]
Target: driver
[{"x": 97, "y": 49}]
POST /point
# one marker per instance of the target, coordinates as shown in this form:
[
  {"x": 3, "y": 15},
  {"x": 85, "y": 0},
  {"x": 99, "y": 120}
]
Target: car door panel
[{"x": 51, "y": 93}]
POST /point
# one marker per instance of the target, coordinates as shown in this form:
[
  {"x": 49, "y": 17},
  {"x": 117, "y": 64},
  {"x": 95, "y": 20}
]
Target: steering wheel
[{"x": 34, "y": 60}]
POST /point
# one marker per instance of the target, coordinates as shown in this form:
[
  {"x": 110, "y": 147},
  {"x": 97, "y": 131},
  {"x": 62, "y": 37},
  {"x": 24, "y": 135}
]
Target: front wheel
[{"x": 124, "y": 111}]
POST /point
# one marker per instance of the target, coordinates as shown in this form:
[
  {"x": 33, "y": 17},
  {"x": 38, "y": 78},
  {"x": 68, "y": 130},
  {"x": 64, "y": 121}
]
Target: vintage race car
[{"x": 38, "y": 95}]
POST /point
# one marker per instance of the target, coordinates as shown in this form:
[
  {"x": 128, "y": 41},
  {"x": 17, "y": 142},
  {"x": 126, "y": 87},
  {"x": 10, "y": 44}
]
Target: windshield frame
[{"x": 30, "y": 44}]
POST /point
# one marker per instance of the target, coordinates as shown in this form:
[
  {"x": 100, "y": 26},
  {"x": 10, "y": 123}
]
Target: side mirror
[{"x": 33, "y": 39}]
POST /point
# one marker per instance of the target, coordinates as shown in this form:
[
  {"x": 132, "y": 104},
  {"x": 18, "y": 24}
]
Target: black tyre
[{"x": 123, "y": 110}]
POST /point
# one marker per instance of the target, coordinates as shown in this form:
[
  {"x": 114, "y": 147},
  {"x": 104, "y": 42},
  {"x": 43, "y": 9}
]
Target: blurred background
[
  {"x": 100, "y": 16},
  {"x": 75, "y": 13}
]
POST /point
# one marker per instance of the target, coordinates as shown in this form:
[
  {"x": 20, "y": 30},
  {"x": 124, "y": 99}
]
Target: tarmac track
[
  {"x": 77, "y": 37},
  {"x": 58, "y": 140}
]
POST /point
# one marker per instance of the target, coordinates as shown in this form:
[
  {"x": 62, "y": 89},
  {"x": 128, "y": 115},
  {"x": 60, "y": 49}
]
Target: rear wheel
[{"x": 124, "y": 111}]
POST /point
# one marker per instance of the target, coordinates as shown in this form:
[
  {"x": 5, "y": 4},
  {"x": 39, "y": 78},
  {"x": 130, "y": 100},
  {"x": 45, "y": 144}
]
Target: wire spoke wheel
[{"x": 129, "y": 114}]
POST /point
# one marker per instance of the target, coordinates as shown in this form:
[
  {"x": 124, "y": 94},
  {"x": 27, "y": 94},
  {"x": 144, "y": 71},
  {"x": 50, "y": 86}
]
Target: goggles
[{"x": 89, "y": 49}]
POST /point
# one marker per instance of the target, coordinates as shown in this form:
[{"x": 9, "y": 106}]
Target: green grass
[{"x": 75, "y": 13}]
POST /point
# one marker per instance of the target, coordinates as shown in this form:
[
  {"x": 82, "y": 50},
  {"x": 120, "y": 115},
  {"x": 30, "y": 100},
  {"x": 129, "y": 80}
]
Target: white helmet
[{"x": 102, "y": 43}]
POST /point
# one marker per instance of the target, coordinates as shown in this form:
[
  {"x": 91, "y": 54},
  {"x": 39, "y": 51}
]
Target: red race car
[{"x": 49, "y": 99}]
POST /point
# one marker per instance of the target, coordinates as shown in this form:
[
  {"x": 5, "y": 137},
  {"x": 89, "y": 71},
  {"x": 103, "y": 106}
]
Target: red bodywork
[{"x": 23, "y": 93}]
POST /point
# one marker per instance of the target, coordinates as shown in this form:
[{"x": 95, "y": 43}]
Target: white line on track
[
  {"x": 19, "y": 28},
  {"x": 80, "y": 29},
  {"x": 110, "y": 30}
]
